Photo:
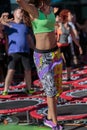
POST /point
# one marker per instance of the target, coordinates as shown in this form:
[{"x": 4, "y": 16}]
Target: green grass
[{"x": 21, "y": 127}]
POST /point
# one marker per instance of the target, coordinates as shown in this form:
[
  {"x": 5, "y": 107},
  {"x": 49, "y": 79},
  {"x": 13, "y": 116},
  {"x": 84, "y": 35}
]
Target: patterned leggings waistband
[{"x": 46, "y": 51}]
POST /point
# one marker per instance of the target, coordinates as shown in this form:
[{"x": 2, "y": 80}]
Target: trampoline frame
[{"x": 37, "y": 83}]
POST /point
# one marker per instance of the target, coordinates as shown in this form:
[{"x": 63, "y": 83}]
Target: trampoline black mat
[
  {"x": 79, "y": 93},
  {"x": 70, "y": 109},
  {"x": 16, "y": 92},
  {"x": 6, "y": 105}
]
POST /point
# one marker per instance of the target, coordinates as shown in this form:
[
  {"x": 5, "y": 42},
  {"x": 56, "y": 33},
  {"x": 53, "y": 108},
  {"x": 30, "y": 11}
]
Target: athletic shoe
[
  {"x": 49, "y": 123},
  {"x": 31, "y": 91},
  {"x": 4, "y": 93},
  {"x": 57, "y": 127}
]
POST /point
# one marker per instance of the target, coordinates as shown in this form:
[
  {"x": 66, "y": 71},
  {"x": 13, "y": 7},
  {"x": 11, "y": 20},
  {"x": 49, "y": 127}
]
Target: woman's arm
[
  {"x": 75, "y": 38},
  {"x": 30, "y": 8},
  {"x": 76, "y": 41}
]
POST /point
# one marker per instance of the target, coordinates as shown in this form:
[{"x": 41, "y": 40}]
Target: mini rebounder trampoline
[
  {"x": 14, "y": 86},
  {"x": 68, "y": 111},
  {"x": 82, "y": 83},
  {"x": 74, "y": 94},
  {"x": 74, "y": 77},
  {"x": 18, "y": 105}
]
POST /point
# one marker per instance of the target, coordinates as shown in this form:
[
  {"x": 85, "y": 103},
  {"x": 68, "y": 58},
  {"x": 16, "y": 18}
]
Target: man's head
[{"x": 18, "y": 14}]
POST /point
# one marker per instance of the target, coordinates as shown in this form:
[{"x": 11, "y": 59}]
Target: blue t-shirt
[{"x": 17, "y": 38}]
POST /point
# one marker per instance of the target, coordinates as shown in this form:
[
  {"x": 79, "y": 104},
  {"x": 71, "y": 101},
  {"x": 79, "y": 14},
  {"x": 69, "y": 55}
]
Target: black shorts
[{"x": 16, "y": 58}]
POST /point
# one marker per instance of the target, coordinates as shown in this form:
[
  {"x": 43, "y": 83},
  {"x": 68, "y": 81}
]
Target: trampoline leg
[
  {"x": 71, "y": 87},
  {"x": 28, "y": 119}
]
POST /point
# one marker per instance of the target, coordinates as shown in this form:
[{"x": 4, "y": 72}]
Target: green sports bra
[{"x": 44, "y": 23}]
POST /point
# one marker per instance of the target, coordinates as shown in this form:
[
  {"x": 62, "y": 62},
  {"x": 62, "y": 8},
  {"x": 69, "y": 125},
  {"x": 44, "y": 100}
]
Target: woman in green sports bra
[{"x": 47, "y": 56}]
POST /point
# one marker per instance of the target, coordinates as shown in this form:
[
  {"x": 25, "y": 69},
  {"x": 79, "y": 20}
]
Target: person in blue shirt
[{"x": 19, "y": 40}]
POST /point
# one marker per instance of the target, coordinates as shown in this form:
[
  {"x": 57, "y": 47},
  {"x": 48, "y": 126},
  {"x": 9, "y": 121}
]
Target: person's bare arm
[
  {"x": 30, "y": 8},
  {"x": 76, "y": 41},
  {"x": 76, "y": 33},
  {"x": 5, "y": 23},
  {"x": 75, "y": 37}
]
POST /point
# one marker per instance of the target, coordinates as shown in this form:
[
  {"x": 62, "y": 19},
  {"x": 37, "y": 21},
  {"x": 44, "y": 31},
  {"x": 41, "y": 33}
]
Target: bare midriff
[{"x": 45, "y": 41}]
